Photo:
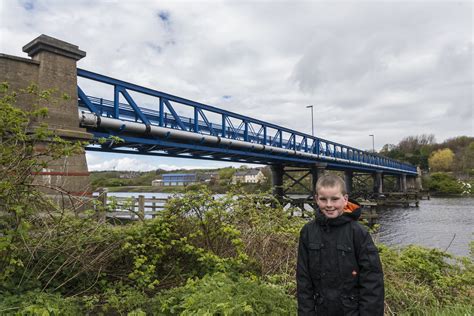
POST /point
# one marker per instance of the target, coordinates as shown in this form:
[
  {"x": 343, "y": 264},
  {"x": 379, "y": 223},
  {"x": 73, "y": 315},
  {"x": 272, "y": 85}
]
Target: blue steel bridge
[
  {"x": 211, "y": 133},
  {"x": 150, "y": 122}
]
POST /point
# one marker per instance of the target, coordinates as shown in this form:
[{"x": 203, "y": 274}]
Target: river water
[
  {"x": 443, "y": 223},
  {"x": 436, "y": 223}
]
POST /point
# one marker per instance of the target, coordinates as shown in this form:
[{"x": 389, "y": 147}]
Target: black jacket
[{"x": 339, "y": 270}]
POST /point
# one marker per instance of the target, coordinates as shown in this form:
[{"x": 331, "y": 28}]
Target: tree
[
  {"x": 464, "y": 160},
  {"x": 226, "y": 173},
  {"x": 414, "y": 143},
  {"x": 441, "y": 160},
  {"x": 22, "y": 205},
  {"x": 411, "y": 149}
]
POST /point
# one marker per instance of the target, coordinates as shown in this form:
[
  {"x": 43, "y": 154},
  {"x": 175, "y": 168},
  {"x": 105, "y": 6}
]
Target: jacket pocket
[
  {"x": 315, "y": 259},
  {"x": 347, "y": 263},
  {"x": 350, "y": 305},
  {"x": 314, "y": 246},
  {"x": 343, "y": 249}
]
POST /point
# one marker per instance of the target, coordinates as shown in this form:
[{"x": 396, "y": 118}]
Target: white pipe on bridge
[{"x": 92, "y": 120}]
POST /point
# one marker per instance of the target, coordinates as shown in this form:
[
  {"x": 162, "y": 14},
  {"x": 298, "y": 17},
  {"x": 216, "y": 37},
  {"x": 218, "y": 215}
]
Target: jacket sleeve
[
  {"x": 304, "y": 285},
  {"x": 371, "y": 293}
]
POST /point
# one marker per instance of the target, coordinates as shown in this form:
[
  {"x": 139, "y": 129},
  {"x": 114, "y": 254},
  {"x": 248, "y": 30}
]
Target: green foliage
[
  {"x": 229, "y": 256},
  {"x": 121, "y": 179},
  {"x": 418, "y": 149},
  {"x": 444, "y": 183},
  {"x": 26, "y": 147},
  {"x": 39, "y": 303},
  {"x": 226, "y": 174},
  {"x": 221, "y": 294},
  {"x": 411, "y": 149},
  {"x": 464, "y": 160},
  {"x": 417, "y": 279},
  {"x": 464, "y": 310}
]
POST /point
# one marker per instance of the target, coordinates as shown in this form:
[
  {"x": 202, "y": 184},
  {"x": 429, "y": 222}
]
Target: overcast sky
[{"x": 388, "y": 68}]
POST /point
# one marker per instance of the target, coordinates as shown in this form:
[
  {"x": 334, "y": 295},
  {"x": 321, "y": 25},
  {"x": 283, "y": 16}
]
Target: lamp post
[
  {"x": 312, "y": 120},
  {"x": 373, "y": 142}
]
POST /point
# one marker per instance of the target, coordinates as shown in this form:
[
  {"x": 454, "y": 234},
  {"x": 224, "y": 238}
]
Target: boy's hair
[{"x": 331, "y": 180}]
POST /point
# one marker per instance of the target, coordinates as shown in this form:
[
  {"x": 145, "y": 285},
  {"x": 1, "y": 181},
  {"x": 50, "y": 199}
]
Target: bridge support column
[
  {"x": 277, "y": 181},
  {"x": 418, "y": 185},
  {"x": 403, "y": 183},
  {"x": 53, "y": 66},
  {"x": 378, "y": 182},
  {"x": 411, "y": 182},
  {"x": 348, "y": 176},
  {"x": 317, "y": 171}
]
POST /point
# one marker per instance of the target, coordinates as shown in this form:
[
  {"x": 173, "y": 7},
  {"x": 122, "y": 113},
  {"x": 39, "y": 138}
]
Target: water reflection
[{"x": 434, "y": 224}]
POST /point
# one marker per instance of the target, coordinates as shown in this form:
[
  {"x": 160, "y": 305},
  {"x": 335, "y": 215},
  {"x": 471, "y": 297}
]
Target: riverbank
[
  {"x": 216, "y": 189},
  {"x": 148, "y": 189},
  {"x": 442, "y": 223},
  {"x": 201, "y": 254}
]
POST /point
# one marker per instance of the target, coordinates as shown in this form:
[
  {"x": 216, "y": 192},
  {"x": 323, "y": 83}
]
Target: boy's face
[{"x": 331, "y": 201}]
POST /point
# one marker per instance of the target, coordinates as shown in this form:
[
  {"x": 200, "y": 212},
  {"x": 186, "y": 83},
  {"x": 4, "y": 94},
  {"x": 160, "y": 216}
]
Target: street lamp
[
  {"x": 312, "y": 120},
  {"x": 373, "y": 142}
]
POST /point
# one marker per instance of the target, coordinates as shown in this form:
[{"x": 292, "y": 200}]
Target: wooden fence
[{"x": 130, "y": 208}]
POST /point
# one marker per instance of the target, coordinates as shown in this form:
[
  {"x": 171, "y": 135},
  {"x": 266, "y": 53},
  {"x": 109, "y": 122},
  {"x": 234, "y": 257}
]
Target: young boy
[{"x": 338, "y": 270}]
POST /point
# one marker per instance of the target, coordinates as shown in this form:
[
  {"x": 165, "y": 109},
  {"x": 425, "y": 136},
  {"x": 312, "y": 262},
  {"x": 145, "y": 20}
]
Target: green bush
[
  {"x": 221, "y": 294},
  {"x": 443, "y": 183},
  {"x": 39, "y": 303},
  {"x": 417, "y": 279},
  {"x": 234, "y": 255}
]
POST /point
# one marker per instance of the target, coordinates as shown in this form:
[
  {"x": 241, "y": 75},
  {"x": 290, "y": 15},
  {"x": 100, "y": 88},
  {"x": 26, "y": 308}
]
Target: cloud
[
  {"x": 387, "y": 68},
  {"x": 121, "y": 164},
  {"x": 135, "y": 164}
]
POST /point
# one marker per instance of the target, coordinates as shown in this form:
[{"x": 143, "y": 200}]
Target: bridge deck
[{"x": 211, "y": 133}]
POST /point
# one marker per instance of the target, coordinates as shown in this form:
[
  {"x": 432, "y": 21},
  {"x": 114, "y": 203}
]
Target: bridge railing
[{"x": 229, "y": 125}]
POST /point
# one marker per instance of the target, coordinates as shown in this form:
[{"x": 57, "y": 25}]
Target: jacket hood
[{"x": 352, "y": 212}]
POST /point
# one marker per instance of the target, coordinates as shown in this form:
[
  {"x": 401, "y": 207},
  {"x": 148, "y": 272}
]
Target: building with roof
[
  {"x": 248, "y": 176},
  {"x": 208, "y": 177},
  {"x": 175, "y": 179}
]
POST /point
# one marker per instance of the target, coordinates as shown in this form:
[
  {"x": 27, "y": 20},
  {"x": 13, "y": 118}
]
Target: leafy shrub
[
  {"x": 234, "y": 255},
  {"x": 39, "y": 303},
  {"x": 221, "y": 294},
  {"x": 418, "y": 278},
  {"x": 23, "y": 208},
  {"x": 444, "y": 183}
]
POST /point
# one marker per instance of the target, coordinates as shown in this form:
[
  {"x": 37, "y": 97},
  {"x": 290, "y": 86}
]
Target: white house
[{"x": 248, "y": 176}]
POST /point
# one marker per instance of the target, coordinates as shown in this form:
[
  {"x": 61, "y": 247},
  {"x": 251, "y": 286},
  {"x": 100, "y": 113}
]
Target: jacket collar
[{"x": 352, "y": 212}]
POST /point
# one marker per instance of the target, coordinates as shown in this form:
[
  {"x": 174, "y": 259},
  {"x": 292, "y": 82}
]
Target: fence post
[
  {"x": 141, "y": 207},
  {"x": 102, "y": 207}
]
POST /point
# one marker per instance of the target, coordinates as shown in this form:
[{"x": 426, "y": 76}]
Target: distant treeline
[
  {"x": 219, "y": 184},
  {"x": 453, "y": 155},
  {"x": 448, "y": 167}
]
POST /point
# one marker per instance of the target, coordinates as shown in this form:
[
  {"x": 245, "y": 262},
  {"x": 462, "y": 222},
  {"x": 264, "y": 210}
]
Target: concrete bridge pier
[
  {"x": 53, "y": 66},
  {"x": 317, "y": 171},
  {"x": 411, "y": 183},
  {"x": 348, "y": 179},
  {"x": 378, "y": 182},
  {"x": 418, "y": 185},
  {"x": 277, "y": 181},
  {"x": 403, "y": 183}
]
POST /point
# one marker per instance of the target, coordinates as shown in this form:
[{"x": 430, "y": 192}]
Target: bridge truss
[{"x": 154, "y": 127}]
